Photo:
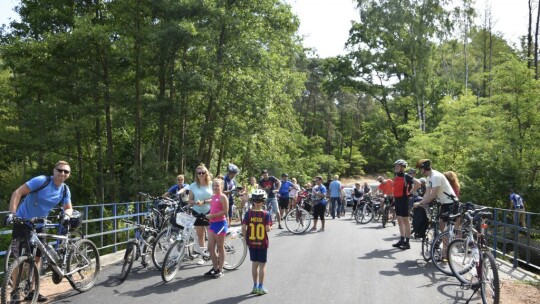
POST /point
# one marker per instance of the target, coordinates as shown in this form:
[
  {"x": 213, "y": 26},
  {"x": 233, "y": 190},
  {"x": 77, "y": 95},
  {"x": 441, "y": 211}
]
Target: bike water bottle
[{"x": 476, "y": 254}]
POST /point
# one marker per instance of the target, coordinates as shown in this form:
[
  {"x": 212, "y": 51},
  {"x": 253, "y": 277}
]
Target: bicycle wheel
[
  {"x": 146, "y": 250},
  {"x": 235, "y": 250},
  {"x": 8, "y": 259},
  {"x": 24, "y": 278},
  {"x": 364, "y": 215},
  {"x": 83, "y": 265},
  {"x": 385, "y": 216},
  {"x": 461, "y": 261},
  {"x": 426, "y": 244},
  {"x": 297, "y": 221},
  {"x": 490, "y": 280},
  {"x": 172, "y": 261},
  {"x": 438, "y": 252},
  {"x": 129, "y": 258},
  {"x": 377, "y": 214},
  {"x": 162, "y": 244}
]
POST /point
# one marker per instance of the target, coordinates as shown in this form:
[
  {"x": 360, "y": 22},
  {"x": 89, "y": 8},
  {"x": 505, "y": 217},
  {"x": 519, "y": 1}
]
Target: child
[
  {"x": 219, "y": 206},
  {"x": 255, "y": 227}
]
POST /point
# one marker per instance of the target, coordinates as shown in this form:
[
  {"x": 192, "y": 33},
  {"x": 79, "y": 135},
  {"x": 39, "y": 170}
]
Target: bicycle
[
  {"x": 75, "y": 259},
  {"x": 441, "y": 241},
  {"x": 74, "y": 232},
  {"x": 388, "y": 207},
  {"x": 167, "y": 235},
  {"x": 187, "y": 242},
  {"x": 432, "y": 230},
  {"x": 139, "y": 246},
  {"x": 368, "y": 209},
  {"x": 298, "y": 220},
  {"x": 470, "y": 259}
]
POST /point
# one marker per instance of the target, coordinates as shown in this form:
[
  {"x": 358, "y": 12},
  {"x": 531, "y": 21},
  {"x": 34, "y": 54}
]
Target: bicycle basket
[{"x": 185, "y": 220}]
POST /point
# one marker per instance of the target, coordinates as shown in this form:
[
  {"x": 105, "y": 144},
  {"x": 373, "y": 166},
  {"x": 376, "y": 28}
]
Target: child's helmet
[{"x": 258, "y": 195}]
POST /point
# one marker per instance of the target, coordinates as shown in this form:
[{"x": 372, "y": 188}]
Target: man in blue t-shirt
[
  {"x": 335, "y": 196},
  {"x": 284, "y": 190},
  {"x": 42, "y": 194},
  {"x": 318, "y": 194},
  {"x": 179, "y": 190},
  {"x": 519, "y": 207}
]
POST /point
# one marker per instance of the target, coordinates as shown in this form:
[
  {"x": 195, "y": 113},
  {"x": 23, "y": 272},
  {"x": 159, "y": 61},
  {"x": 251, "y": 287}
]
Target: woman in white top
[{"x": 200, "y": 196}]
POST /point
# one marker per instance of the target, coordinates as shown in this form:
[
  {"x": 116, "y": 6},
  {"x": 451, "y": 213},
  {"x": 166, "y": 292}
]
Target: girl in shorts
[{"x": 219, "y": 206}]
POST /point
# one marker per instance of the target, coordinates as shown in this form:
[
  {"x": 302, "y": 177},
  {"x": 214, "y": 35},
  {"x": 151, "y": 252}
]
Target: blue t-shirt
[
  {"x": 40, "y": 203},
  {"x": 335, "y": 189},
  {"x": 229, "y": 184},
  {"x": 174, "y": 189},
  {"x": 322, "y": 190},
  {"x": 201, "y": 193},
  {"x": 285, "y": 188},
  {"x": 516, "y": 200}
]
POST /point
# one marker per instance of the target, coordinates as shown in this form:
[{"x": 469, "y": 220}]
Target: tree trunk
[
  {"x": 536, "y": 42},
  {"x": 138, "y": 123},
  {"x": 529, "y": 36}
]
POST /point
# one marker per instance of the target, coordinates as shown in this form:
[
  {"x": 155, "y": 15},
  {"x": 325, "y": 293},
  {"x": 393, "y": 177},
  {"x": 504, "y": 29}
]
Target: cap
[
  {"x": 284, "y": 174},
  {"x": 264, "y": 171}
]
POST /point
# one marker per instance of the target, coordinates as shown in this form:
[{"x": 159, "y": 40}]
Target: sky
[{"x": 325, "y": 24}]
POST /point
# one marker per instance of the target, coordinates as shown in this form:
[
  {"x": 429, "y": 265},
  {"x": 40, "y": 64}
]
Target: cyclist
[
  {"x": 200, "y": 195},
  {"x": 367, "y": 188},
  {"x": 177, "y": 190},
  {"x": 402, "y": 186},
  {"x": 284, "y": 192},
  {"x": 335, "y": 197},
  {"x": 293, "y": 194},
  {"x": 438, "y": 187},
  {"x": 518, "y": 204},
  {"x": 319, "y": 202},
  {"x": 42, "y": 194},
  {"x": 255, "y": 226},
  {"x": 357, "y": 195},
  {"x": 218, "y": 228},
  {"x": 386, "y": 188},
  {"x": 270, "y": 184},
  {"x": 229, "y": 186}
]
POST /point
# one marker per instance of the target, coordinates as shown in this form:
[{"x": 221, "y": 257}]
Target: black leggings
[{"x": 318, "y": 211}]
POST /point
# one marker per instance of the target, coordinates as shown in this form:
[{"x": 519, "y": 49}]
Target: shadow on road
[{"x": 381, "y": 254}]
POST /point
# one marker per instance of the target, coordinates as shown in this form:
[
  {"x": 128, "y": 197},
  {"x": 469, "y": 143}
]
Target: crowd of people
[{"x": 211, "y": 201}]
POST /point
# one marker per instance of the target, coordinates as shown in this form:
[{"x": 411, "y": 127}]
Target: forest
[{"x": 134, "y": 92}]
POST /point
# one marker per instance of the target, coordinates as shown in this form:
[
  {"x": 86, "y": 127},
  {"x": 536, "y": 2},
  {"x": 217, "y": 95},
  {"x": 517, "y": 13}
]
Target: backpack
[
  {"x": 45, "y": 184},
  {"x": 420, "y": 222}
]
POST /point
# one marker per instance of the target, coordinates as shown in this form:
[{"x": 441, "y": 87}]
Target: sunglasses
[
  {"x": 63, "y": 171},
  {"x": 201, "y": 172}
]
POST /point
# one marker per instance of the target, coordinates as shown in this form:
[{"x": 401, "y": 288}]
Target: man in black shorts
[{"x": 402, "y": 185}]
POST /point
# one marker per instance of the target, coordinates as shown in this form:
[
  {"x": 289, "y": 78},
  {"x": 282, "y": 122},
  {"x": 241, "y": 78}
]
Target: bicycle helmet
[
  {"x": 423, "y": 180},
  {"x": 401, "y": 162},
  {"x": 75, "y": 219},
  {"x": 258, "y": 195},
  {"x": 232, "y": 168}
]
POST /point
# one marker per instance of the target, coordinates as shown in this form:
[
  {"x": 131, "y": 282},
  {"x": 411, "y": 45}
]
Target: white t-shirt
[{"x": 437, "y": 179}]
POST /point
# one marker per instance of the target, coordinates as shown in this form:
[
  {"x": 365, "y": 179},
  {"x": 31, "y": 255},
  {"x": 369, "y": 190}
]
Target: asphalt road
[{"x": 348, "y": 263}]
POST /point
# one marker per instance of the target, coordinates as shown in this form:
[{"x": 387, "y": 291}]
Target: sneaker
[
  {"x": 398, "y": 244},
  {"x": 218, "y": 274},
  {"x": 41, "y": 298},
  {"x": 200, "y": 262},
  {"x": 279, "y": 227},
  {"x": 313, "y": 229},
  {"x": 210, "y": 273},
  {"x": 262, "y": 291},
  {"x": 255, "y": 290},
  {"x": 405, "y": 246}
]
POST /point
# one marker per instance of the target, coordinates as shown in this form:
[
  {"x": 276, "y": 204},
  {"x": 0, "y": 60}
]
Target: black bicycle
[{"x": 139, "y": 246}]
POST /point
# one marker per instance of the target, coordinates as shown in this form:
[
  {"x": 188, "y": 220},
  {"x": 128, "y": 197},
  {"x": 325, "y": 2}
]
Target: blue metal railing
[{"x": 101, "y": 225}]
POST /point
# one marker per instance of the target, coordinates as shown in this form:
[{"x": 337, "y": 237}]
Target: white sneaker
[{"x": 200, "y": 262}]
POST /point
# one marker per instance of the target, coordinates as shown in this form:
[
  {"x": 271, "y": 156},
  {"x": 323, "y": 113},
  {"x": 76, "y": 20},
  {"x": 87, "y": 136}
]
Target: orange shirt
[{"x": 387, "y": 188}]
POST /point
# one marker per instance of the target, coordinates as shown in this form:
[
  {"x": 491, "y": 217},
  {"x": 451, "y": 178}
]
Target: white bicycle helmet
[
  {"x": 401, "y": 162},
  {"x": 258, "y": 195}
]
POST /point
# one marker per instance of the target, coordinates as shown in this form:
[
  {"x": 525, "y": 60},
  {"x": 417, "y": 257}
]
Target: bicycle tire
[
  {"x": 172, "y": 261},
  {"x": 235, "y": 250},
  {"x": 27, "y": 280},
  {"x": 461, "y": 262},
  {"x": 490, "y": 287},
  {"x": 385, "y": 216},
  {"x": 8, "y": 259},
  {"x": 426, "y": 244},
  {"x": 437, "y": 252},
  {"x": 364, "y": 215},
  {"x": 129, "y": 258},
  {"x": 297, "y": 221},
  {"x": 146, "y": 250},
  {"x": 162, "y": 244},
  {"x": 84, "y": 257}
]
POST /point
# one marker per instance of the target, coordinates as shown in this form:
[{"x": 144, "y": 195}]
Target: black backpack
[
  {"x": 45, "y": 184},
  {"x": 420, "y": 222}
]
